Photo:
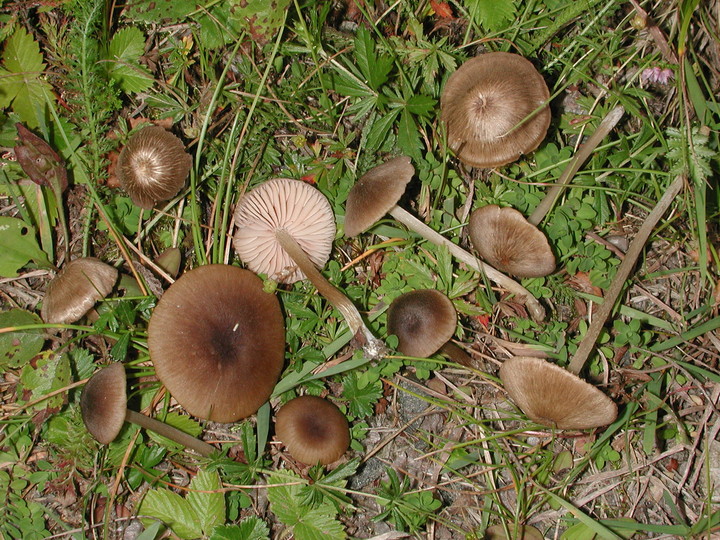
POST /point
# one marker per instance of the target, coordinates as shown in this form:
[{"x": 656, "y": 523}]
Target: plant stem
[
  {"x": 414, "y": 224},
  {"x": 180, "y": 437},
  {"x": 622, "y": 274},
  {"x": 373, "y": 346}
]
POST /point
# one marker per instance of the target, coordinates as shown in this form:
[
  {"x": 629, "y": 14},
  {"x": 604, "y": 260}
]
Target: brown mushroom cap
[
  {"x": 104, "y": 403},
  {"x": 217, "y": 342},
  {"x": 552, "y": 396},
  {"x": 423, "y": 320},
  {"x": 487, "y": 105},
  {"x": 313, "y": 429},
  {"x": 375, "y": 193},
  {"x": 292, "y": 205},
  {"x": 505, "y": 239},
  {"x": 76, "y": 289},
  {"x": 153, "y": 166}
]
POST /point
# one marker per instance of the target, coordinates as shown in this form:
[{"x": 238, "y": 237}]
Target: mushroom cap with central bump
[
  {"x": 217, "y": 341},
  {"x": 423, "y": 320},
  {"x": 552, "y": 396},
  {"x": 506, "y": 240},
  {"x": 495, "y": 109},
  {"x": 375, "y": 193},
  {"x": 76, "y": 289},
  {"x": 292, "y": 205},
  {"x": 104, "y": 402},
  {"x": 313, "y": 429}
]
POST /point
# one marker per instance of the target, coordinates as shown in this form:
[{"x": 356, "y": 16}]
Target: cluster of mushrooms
[{"x": 217, "y": 338}]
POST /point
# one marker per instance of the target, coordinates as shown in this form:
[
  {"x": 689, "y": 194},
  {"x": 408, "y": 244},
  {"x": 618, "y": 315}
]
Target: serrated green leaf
[
  {"x": 173, "y": 510},
  {"x": 48, "y": 373},
  {"x": 408, "y": 136},
  {"x": 19, "y": 347},
  {"x": 252, "y": 528},
  {"x": 125, "y": 49},
  {"x": 205, "y": 499},
  {"x": 18, "y": 246},
  {"x": 127, "y": 44},
  {"x": 262, "y": 19},
  {"x": 492, "y": 15}
]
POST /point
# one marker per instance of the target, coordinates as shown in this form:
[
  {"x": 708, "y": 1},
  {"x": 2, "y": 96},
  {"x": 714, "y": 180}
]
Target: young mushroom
[
  {"x": 377, "y": 192},
  {"x": 217, "y": 341},
  {"x": 153, "y": 166},
  {"x": 285, "y": 229},
  {"x": 76, "y": 289},
  {"x": 424, "y": 321},
  {"x": 313, "y": 430},
  {"x": 104, "y": 411},
  {"x": 495, "y": 107},
  {"x": 504, "y": 238}
]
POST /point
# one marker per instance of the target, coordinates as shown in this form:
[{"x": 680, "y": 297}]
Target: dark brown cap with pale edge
[
  {"x": 104, "y": 403},
  {"x": 313, "y": 429},
  {"x": 217, "y": 341},
  {"x": 495, "y": 109},
  {"x": 506, "y": 240}
]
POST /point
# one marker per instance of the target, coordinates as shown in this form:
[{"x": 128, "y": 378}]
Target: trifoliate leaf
[
  {"x": 126, "y": 48},
  {"x": 252, "y": 528},
  {"x": 19, "y": 347},
  {"x": 173, "y": 510},
  {"x": 206, "y": 500},
  {"x": 491, "y": 15},
  {"x": 18, "y": 246}
]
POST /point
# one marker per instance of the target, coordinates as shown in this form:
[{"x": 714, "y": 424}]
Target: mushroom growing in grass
[
  {"x": 76, "y": 289},
  {"x": 424, "y": 321},
  {"x": 496, "y": 109},
  {"x": 313, "y": 430},
  {"x": 377, "y": 192},
  {"x": 104, "y": 411},
  {"x": 217, "y": 341},
  {"x": 285, "y": 229},
  {"x": 505, "y": 239},
  {"x": 153, "y": 166}
]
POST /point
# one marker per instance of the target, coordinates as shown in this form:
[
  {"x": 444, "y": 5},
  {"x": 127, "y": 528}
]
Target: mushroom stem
[
  {"x": 607, "y": 124},
  {"x": 373, "y": 347},
  {"x": 414, "y": 224},
  {"x": 627, "y": 264},
  {"x": 456, "y": 354},
  {"x": 180, "y": 437}
]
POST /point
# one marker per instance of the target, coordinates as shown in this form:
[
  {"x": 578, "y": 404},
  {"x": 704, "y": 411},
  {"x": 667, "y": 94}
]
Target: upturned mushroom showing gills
[
  {"x": 285, "y": 229},
  {"x": 153, "y": 166},
  {"x": 377, "y": 192},
  {"x": 104, "y": 411},
  {"x": 217, "y": 341},
  {"x": 313, "y": 430},
  {"x": 76, "y": 289},
  {"x": 505, "y": 239},
  {"x": 495, "y": 109}
]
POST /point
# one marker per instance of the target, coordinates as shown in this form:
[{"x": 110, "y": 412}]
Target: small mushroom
[
  {"x": 505, "y": 239},
  {"x": 313, "y": 430},
  {"x": 424, "y": 321},
  {"x": 153, "y": 166},
  {"x": 496, "y": 109},
  {"x": 285, "y": 229},
  {"x": 76, "y": 289},
  {"x": 377, "y": 193},
  {"x": 217, "y": 341},
  {"x": 104, "y": 411}
]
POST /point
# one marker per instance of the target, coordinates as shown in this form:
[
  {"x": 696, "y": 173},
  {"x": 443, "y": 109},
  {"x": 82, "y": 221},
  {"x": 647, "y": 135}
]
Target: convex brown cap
[
  {"x": 76, "y": 289},
  {"x": 506, "y": 240},
  {"x": 423, "y": 320},
  {"x": 153, "y": 166},
  {"x": 283, "y": 204},
  {"x": 487, "y": 106},
  {"x": 552, "y": 396},
  {"x": 217, "y": 342},
  {"x": 104, "y": 403},
  {"x": 375, "y": 193},
  {"x": 313, "y": 429}
]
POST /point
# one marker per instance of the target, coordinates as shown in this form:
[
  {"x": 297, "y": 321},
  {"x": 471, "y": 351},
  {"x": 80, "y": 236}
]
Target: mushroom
[
  {"x": 424, "y": 321},
  {"x": 285, "y": 229},
  {"x": 377, "y": 192},
  {"x": 104, "y": 411},
  {"x": 313, "y": 430},
  {"x": 76, "y": 289},
  {"x": 504, "y": 238},
  {"x": 217, "y": 341},
  {"x": 153, "y": 166},
  {"x": 495, "y": 108}
]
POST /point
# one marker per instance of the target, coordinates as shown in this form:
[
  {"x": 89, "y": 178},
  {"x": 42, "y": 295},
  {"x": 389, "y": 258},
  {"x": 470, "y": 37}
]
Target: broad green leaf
[
  {"x": 252, "y": 528},
  {"x": 125, "y": 49},
  {"x": 491, "y": 15},
  {"x": 151, "y": 11},
  {"x": 408, "y": 136},
  {"x": 206, "y": 500},
  {"x": 18, "y": 246},
  {"x": 262, "y": 19},
  {"x": 173, "y": 510},
  {"x": 49, "y": 372},
  {"x": 19, "y": 347}
]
